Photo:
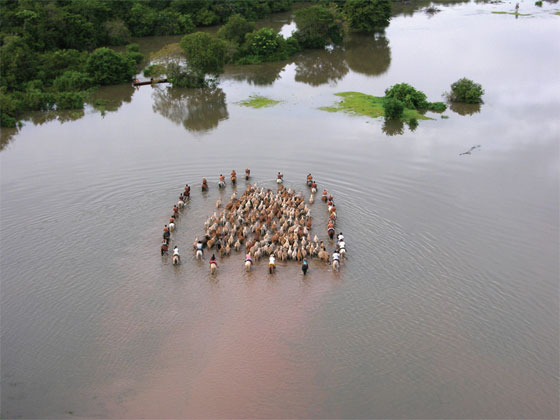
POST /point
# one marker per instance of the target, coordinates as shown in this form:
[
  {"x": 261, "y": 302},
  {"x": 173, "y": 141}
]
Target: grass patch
[
  {"x": 258, "y": 102},
  {"x": 371, "y": 106},
  {"x": 557, "y": 13},
  {"x": 511, "y": 13}
]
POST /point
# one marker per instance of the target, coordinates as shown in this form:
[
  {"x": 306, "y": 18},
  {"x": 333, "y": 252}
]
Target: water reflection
[
  {"x": 111, "y": 98},
  {"x": 408, "y": 8},
  {"x": 258, "y": 74},
  {"x": 318, "y": 67},
  {"x": 367, "y": 54},
  {"x": 197, "y": 110},
  {"x": 6, "y": 135},
  {"x": 394, "y": 127},
  {"x": 464, "y": 109}
]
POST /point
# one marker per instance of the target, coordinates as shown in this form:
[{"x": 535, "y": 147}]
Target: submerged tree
[
  {"x": 465, "y": 90},
  {"x": 318, "y": 26},
  {"x": 205, "y": 55},
  {"x": 367, "y": 15}
]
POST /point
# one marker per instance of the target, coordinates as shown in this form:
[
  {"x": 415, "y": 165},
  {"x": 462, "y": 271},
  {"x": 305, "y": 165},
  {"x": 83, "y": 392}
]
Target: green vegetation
[
  {"x": 235, "y": 29},
  {"x": 259, "y": 102},
  {"x": 52, "y": 52},
  {"x": 318, "y": 26},
  {"x": 205, "y": 55},
  {"x": 557, "y": 13},
  {"x": 413, "y": 99},
  {"x": 372, "y": 106},
  {"x": 538, "y": 3},
  {"x": 393, "y": 108},
  {"x": 367, "y": 15},
  {"x": 465, "y": 90}
]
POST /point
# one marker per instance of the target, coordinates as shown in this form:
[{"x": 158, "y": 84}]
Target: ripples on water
[{"x": 446, "y": 307}]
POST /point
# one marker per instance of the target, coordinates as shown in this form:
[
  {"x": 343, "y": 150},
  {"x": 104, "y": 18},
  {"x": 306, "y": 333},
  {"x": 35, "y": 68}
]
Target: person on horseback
[
  {"x": 279, "y": 176},
  {"x": 247, "y": 173},
  {"x": 176, "y": 253},
  {"x": 324, "y": 196},
  {"x": 164, "y": 247},
  {"x": 221, "y": 177},
  {"x": 249, "y": 258},
  {"x": 271, "y": 264},
  {"x": 204, "y": 184},
  {"x": 304, "y": 267},
  {"x": 199, "y": 246},
  {"x": 213, "y": 260},
  {"x": 336, "y": 256},
  {"x": 340, "y": 246},
  {"x": 187, "y": 191},
  {"x": 340, "y": 236}
]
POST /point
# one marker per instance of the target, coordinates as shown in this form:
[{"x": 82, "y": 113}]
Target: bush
[
  {"x": 107, "y": 67},
  {"x": 72, "y": 81},
  {"x": 437, "y": 106},
  {"x": 465, "y": 90},
  {"x": 117, "y": 32},
  {"x": 235, "y": 29},
  {"x": 205, "y": 53},
  {"x": 367, "y": 15},
  {"x": 262, "y": 45},
  {"x": 69, "y": 100},
  {"x": 410, "y": 97},
  {"x": 168, "y": 22},
  {"x": 394, "y": 108},
  {"x": 318, "y": 26}
]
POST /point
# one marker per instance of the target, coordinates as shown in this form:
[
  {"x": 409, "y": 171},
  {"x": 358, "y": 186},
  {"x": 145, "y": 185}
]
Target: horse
[
  {"x": 171, "y": 226},
  {"x": 213, "y": 268},
  {"x": 218, "y": 203},
  {"x": 330, "y": 231},
  {"x": 311, "y": 199},
  {"x": 198, "y": 254},
  {"x": 342, "y": 252},
  {"x": 180, "y": 204},
  {"x": 164, "y": 248},
  {"x": 335, "y": 265},
  {"x": 271, "y": 268},
  {"x": 313, "y": 190},
  {"x": 233, "y": 179},
  {"x": 279, "y": 180},
  {"x": 247, "y": 174},
  {"x": 221, "y": 184},
  {"x": 176, "y": 260},
  {"x": 248, "y": 265}
]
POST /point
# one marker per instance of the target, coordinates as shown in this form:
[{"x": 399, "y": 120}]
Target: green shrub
[
  {"x": 409, "y": 96},
  {"x": 235, "y": 29},
  {"x": 72, "y": 81},
  {"x": 367, "y": 15},
  {"x": 205, "y": 54},
  {"x": 437, "y": 106},
  {"x": 465, "y": 90},
  {"x": 318, "y": 26},
  {"x": 538, "y": 3},
  {"x": 107, "y": 67},
  {"x": 117, "y": 32},
  {"x": 69, "y": 100},
  {"x": 262, "y": 45},
  {"x": 393, "y": 107}
]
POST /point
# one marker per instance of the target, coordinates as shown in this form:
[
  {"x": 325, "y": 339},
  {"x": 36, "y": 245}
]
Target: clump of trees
[
  {"x": 318, "y": 26},
  {"x": 467, "y": 91},
  {"x": 410, "y": 98},
  {"x": 45, "y": 46},
  {"x": 367, "y": 15}
]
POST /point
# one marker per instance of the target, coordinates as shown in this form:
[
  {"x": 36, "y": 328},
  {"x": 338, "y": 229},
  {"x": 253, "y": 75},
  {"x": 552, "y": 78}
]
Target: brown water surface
[{"x": 447, "y": 306}]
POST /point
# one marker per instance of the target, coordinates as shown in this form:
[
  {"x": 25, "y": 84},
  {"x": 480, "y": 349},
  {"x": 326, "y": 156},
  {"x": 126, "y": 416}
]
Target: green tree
[
  {"x": 263, "y": 45},
  {"x": 117, "y": 32},
  {"x": 235, "y": 29},
  {"x": 17, "y": 62},
  {"x": 72, "y": 81},
  {"x": 205, "y": 54},
  {"x": 107, "y": 67},
  {"x": 318, "y": 26},
  {"x": 465, "y": 90},
  {"x": 393, "y": 108},
  {"x": 367, "y": 15},
  {"x": 408, "y": 95}
]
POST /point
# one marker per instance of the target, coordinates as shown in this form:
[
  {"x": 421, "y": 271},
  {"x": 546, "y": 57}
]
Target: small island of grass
[
  {"x": 510, "y": 13},
  {"x": 258, "y": 102}
]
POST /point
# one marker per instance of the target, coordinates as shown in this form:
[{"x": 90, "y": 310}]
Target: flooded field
[{"x": 447, "y": 306}]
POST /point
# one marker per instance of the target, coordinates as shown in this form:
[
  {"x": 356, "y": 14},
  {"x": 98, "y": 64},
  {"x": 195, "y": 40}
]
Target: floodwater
[{"x": 448, "y": 303}]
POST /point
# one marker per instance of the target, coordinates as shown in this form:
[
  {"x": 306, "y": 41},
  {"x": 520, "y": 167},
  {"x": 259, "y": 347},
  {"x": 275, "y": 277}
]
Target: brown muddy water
[{"x": 447, "y": 306}]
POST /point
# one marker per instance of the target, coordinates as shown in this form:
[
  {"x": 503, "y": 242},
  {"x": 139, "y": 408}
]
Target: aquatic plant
[
  {"x": 258, "y": 102},
  {"x": 465, "y": 90}
]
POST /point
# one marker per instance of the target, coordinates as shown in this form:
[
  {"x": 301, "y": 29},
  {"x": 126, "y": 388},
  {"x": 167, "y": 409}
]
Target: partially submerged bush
[
  {"x": 410, "y": 97},
  {"x": 262, "y": 45},
  {"x": 465, "y": 90},
  {"x": 394, "y": 108},
  {"x": 318, "y": 26},
  {"x": 437, "y": 106},
  {"x": 235, "y": 29}
]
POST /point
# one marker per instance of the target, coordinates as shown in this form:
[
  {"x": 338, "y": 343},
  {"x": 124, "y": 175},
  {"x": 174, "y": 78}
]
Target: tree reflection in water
[
  {"x": 464, "y": 109},
  {"x": 368, "y": 54},
  {"x": 394, "y": 127},
  {"x": 318, "y": 67},
  {"x": 256, "y": 74},
  {"x": 197, "y": 110}
]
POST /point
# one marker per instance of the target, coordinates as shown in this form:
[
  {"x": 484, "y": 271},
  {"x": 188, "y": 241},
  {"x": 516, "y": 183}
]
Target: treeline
[
  {"x": 50, "y": 51},
  {"x": 238, "y": 41}
]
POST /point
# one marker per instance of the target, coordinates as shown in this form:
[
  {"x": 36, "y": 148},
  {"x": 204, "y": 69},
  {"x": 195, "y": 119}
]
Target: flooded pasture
[{"x": 446, "y": 307}]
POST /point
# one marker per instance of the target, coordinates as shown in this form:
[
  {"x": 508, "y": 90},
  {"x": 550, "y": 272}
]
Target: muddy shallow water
[{"x": 447, "y": 306}]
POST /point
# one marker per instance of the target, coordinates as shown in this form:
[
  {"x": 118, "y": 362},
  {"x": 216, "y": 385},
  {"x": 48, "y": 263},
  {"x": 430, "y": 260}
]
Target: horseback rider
[
  {"x": 199, "y": 246},
  {"x": 340, "y": 236},
  {"x": 336, "y": 256},
  {"x": 187, "y": 191},
  {"x": 164, "y": 247},
  {"x": 249, "y": 258},
  {"x": 204, "y": 184},
  {"x": 213, "y": 260},
  {"x": 304, "y": 267},
  {"x": 176, "y": 253}
]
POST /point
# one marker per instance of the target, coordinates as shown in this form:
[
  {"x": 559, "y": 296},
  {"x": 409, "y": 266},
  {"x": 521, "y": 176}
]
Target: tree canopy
[
  {"x": 367, "y": 15},
  {"x": 318, "y": 26},
  {"x": 205, "y": 54}
]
